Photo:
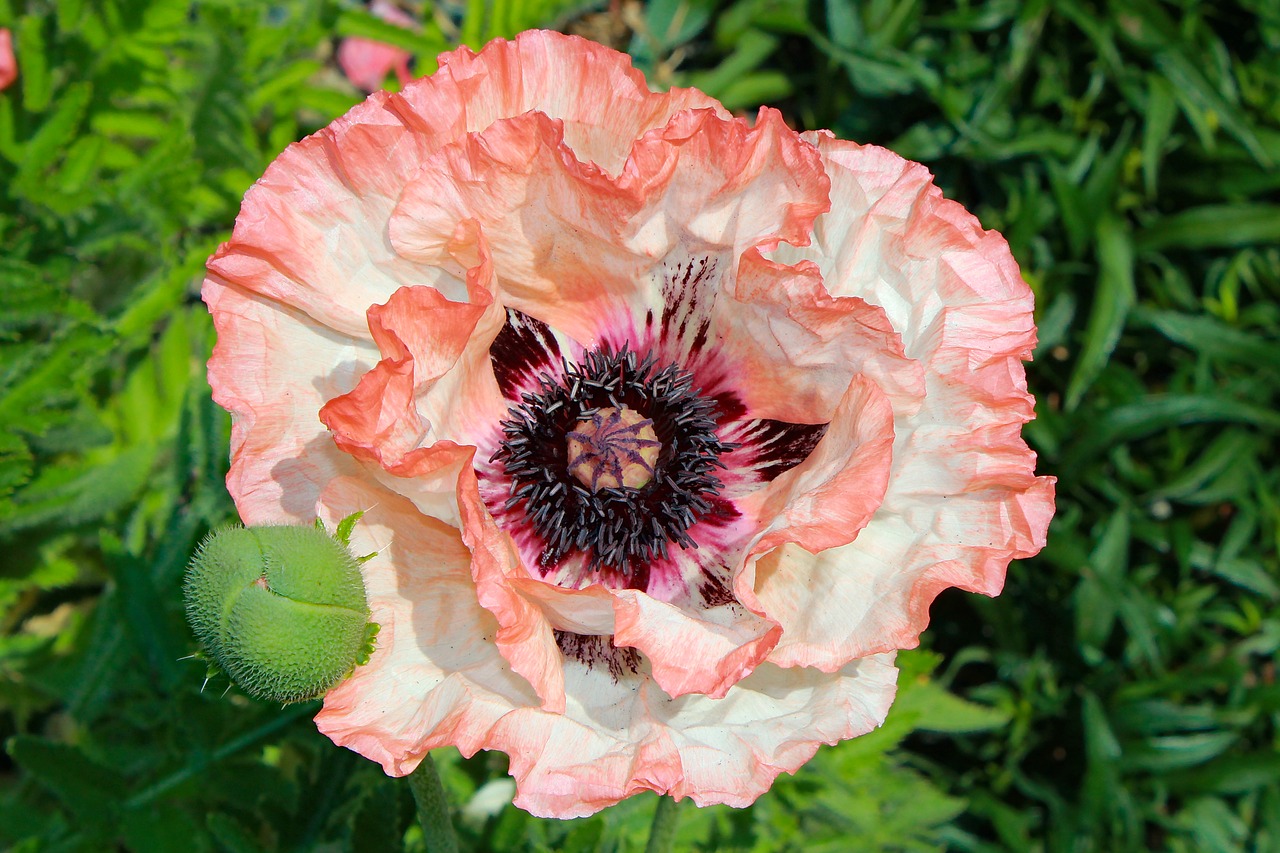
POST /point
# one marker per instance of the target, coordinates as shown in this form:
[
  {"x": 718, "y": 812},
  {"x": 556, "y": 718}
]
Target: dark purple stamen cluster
[{"x": 619, "y": 528}]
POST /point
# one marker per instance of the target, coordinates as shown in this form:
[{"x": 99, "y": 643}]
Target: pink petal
[
  {"x": 603, "y": 103},
  {"x": 311, "y": 232},
  {"x": 524, "y": 634},
  {"x": 963, "y": 499},
  {"x": 705, "y": 650},
  {"x": 434, "y": 381},
  {"x": 404, "y": 702},
  {"x": 613, "y": 738},
  {"x": 794, "y": 349},
  {"x": 516, "y": 179},
  {"x": 582, "y": 251},
  {"x": 281, "y": 455},
  {"x": 367, "y": 63},
  {"x": 826, "y": 500},
  {"x": 8, "y": 65},
  {"x": 308, "y": 234}
]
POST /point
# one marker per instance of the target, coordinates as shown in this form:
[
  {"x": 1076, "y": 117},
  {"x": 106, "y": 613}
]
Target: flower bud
[{"x": 281, "y": 610}]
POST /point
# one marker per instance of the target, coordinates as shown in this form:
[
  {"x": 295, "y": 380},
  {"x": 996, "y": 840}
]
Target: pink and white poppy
[{"x": 668, "y": 426}]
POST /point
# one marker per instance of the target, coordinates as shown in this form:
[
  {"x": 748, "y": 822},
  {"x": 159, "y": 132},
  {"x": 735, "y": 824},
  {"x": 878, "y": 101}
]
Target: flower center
[
  {"x": 614, "y": 462},
  {"x": 614, "y": 448}
]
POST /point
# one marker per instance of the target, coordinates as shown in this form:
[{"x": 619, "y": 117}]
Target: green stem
[
  {"x": 433, "y": 808},
  {"x": 662, "y": 833}
]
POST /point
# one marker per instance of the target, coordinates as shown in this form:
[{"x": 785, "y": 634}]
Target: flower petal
[
  {"x": 830, "y": 496},
  {"x": 311, "y": 231},
  {"x": 435, "y": 676},
  {"x": 694, "y": 649},
  {"x": 313, "y": 228},
  {"x": 518, "y": 181},
  {"x": 619, "y": 738},
  {"x": 524, "y": 634},
  {"x": 434, "y": 380},
  {"x": 584, "y": 252},
  {"x": 281, "y": 455},
  {"x": 603, "y": 103},
  {"x": 962, "y": 499},
  {"x": 366, "y": 62},
  {"x": 8, "y": 65},
  {"x": 795, "y": 349}
]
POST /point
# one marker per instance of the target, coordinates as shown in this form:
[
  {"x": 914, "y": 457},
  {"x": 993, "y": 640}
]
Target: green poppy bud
[{"x": 281, "y": 610}]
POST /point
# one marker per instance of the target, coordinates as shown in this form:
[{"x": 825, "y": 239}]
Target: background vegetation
[{"x": 1120, "y": 695}]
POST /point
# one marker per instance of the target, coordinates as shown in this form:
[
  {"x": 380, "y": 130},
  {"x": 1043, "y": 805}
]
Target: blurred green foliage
[{"x": 1120, "y": 695}]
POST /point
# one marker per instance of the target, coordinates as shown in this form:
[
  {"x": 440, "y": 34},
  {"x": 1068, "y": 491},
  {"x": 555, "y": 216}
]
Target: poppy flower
[
  {"x": 8, "y": 64},
  {"x": 667, "y": 425},
  {"x": 366, "y": 62}
]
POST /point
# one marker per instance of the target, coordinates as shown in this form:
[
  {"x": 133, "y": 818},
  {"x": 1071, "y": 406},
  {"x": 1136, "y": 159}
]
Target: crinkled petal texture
[{"x": 407, "y": 285}]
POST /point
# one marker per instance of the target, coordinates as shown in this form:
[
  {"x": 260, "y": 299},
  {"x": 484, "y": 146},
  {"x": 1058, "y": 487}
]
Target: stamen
[{"x": 614, "y": 461}]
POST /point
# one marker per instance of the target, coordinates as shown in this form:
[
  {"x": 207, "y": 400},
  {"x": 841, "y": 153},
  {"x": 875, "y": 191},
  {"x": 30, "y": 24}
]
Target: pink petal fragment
[
  {"x": 692, "y": 651},
  {"x": 580, "y": 250},
  {"x": 796, "y": 348},
  {"x": 366, "y": 62},
  {"x": 726, "y": 183},
  {"x": 524, "y": 635},
  {"x": 588, "y": 610},
  {"x": 311, "y": 232},
  {"x": 517, "y": 180},
  {"x": 421, "y": 335},
  {"x": 8, "y": 64},
  {"x": 281, "y": 455},
  {"x": 826, "y": 500}
]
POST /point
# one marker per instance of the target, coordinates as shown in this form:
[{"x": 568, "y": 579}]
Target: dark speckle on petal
[
  {"x": 524, "y": 349},
  {"x": 594, "y": 651}
]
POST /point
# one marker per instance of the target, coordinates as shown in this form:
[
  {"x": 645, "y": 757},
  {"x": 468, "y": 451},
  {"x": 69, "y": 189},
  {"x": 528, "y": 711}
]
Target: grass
[{"x": 1121, "y": 694}]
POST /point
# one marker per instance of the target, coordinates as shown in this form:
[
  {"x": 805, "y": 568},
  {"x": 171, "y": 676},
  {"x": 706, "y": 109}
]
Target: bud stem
[
  {"x": 662, "y": 832},
  {"x": 433, "y": 808}
]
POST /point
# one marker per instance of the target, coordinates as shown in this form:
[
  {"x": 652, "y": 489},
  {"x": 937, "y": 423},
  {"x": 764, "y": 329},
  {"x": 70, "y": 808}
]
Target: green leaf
[
  {"x": 1163, "y": 411},
  {"x": 942, "y": 711},
  {"x": 1113, "y": 299},
  {"x": 1213, "y": 226},
  {"x": 232, "y": 836},
  {"x": 1230, "y": 774},
  {"x": 1209, "y": 335},
  {"x": 88, "y": 491},
  {"x": 33, "y": 53},
  {"x": 89, "y": 789},
  {"x": 1160, "y": 113},
  {"x": 1173, "y": 752},
  {"x": 345, "y": 526},
  {"x": 56, "y": 134},
  {"x": 1098, "y": 595},
  {"x": 752, "y": 48}
]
